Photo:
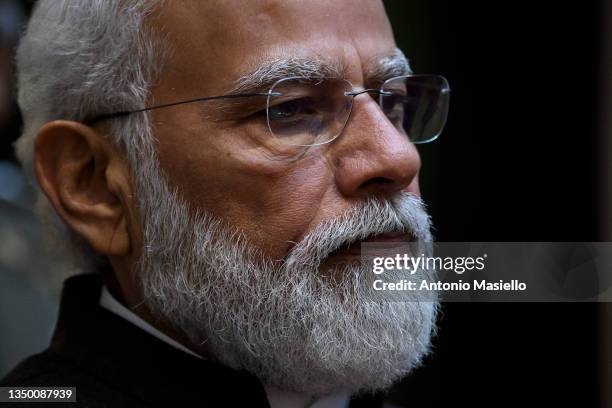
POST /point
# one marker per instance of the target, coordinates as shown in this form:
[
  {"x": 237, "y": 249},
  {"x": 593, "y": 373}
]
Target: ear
[{"x": 88, "y": 182}]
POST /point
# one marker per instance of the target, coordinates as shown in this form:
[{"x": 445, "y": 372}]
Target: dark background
[{"x": 520, "y": 160}]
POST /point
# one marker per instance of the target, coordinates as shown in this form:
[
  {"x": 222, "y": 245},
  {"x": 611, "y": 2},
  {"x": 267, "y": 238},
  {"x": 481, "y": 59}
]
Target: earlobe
[{"x": 84, "y": 177}]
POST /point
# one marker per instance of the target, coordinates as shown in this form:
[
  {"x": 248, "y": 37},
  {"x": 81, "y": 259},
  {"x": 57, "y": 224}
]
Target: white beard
[{"x": 285, "y": 322}]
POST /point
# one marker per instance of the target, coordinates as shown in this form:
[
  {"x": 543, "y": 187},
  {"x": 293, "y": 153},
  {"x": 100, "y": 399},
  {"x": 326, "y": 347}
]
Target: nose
[{"x": 373, "y": 157}]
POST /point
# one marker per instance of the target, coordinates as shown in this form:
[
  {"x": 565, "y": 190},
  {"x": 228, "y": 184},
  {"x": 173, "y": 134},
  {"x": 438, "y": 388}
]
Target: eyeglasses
[{"x": 304, "y": 111}]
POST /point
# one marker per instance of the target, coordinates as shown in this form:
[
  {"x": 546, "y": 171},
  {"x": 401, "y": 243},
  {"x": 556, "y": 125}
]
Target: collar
[
  {"x": 109, "y": 348},
  {"x": 277, "y": 398}
]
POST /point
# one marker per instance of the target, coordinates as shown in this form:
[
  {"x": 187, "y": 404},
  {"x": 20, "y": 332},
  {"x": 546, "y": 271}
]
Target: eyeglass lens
[
  {"x": 307, "y": 112},
  {"x": 417, "y": 105}
]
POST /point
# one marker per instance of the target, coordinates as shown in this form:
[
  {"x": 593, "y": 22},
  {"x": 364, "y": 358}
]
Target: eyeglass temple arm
[
  {"x": 370, "y": 90},
  {"x": 107, "y": 116}
]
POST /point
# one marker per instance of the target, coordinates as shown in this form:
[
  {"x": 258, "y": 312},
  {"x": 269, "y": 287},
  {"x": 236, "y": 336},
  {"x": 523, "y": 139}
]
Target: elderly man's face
[
  {"x": 243, "y": 247},
  {"x": 208, "y": 150}
]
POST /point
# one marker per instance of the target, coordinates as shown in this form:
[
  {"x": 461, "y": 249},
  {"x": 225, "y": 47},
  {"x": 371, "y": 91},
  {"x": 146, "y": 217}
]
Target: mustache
[{"x": 404, "y": 213}]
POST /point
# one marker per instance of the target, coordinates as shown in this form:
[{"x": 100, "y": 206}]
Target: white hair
[
  {"x": 295, "y": 325},
  {"x": 288, "y": 324},
  {"x": 78, "y": 59}
]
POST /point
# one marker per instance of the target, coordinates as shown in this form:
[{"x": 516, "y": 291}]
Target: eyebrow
[
  {"x": 384, "y": 67},
  {"x": 262, "y": 78},
  {"x": 270, "y": 72}
]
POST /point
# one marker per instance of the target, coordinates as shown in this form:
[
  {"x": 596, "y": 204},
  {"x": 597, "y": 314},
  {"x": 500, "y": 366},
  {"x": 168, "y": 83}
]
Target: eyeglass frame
[{"x": 354, "y": 92}]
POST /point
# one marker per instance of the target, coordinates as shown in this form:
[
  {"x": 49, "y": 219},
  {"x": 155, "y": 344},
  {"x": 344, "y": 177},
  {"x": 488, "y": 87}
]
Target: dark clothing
[{"x": 113, "y": 363}]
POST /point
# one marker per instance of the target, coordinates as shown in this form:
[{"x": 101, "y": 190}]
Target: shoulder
[
  {"x": 48, "y": 369},
  {"x": 35, "y": 369}
]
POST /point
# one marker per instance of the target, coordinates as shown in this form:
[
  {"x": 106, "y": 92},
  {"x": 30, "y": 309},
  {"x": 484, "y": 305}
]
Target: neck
[{"x": 125, "y": 292}]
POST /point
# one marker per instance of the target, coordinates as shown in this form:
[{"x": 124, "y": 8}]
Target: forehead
[{"x": 215, "y": 42}]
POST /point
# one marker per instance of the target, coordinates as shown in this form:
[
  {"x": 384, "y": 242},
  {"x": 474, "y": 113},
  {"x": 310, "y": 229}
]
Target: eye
[
  {"x": 393, "y": 106},
  {"x": 291, "y": 109}
]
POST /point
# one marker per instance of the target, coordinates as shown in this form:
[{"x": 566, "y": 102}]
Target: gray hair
[
  {"x": 379, "y": 68},
  {"x": 78, "y": 59}
]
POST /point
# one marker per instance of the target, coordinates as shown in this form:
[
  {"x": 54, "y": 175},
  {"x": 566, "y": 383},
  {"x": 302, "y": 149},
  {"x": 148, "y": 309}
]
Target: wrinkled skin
[
  {"x": 216, "y": 165},
  {"x": 210, "y": 157}
]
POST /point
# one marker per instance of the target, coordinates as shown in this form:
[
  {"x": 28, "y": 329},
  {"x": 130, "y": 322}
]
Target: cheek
[
  {"x": 273, "y": 202},
  {"x": 276, "y": 211},
  {"x": 291, "y": 204}
]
